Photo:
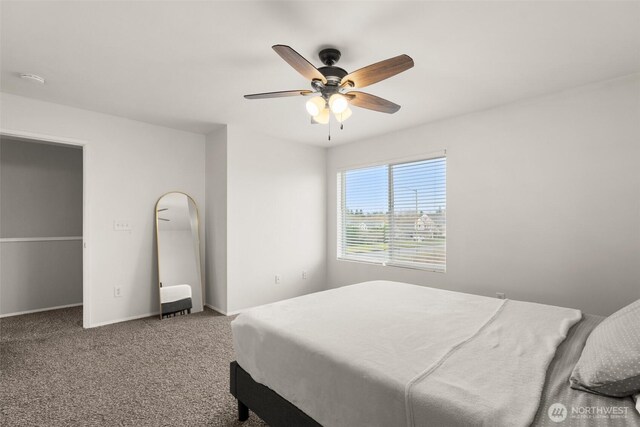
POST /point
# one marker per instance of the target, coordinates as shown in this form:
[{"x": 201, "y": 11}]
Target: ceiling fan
[{"x": 332, "y": 84}]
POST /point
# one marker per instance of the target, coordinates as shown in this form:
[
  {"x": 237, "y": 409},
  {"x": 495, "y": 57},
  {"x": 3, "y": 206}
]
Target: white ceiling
[{"x": 186, "y": 65}]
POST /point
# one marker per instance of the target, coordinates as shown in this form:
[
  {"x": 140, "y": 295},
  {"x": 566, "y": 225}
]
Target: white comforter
[{"x": 393, "y": 354}]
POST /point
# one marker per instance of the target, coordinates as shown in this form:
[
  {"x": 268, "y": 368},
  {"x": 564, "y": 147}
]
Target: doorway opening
[{"x": 42, "y": 228}]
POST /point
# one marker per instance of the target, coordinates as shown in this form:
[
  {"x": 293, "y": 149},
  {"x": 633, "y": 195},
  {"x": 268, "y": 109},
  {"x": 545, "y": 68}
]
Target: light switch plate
[{"x": 121, "y": 225}]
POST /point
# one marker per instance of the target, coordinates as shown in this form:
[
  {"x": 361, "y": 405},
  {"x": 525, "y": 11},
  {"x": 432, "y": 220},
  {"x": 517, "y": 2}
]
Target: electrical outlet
[
  {"x": 304, "y": 274},
  {"x": 278, "y": 278},
  {"x": 501, "y": 295},
  {"x": 117, "y": 291}
]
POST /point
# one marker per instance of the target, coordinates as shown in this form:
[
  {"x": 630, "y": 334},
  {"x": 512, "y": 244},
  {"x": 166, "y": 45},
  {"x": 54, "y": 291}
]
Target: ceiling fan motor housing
[{"x": 333, "y": 74}]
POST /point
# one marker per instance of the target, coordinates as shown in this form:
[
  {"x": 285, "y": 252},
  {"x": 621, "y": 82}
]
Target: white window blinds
[{"x": 394, "y": 214}]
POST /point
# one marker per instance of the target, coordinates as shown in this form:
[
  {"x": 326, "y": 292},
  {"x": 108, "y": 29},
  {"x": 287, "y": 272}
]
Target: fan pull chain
[{"x": 329, "y": 128}]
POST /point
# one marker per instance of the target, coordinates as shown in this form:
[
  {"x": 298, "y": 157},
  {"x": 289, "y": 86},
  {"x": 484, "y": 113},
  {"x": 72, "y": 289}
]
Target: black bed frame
[{"x": 272, "y": 408}]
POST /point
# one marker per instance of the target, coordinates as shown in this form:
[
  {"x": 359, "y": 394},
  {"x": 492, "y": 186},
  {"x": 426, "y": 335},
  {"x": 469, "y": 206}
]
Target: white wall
[
  {"x": 41, "y": 189},
  {"x": 129, "y": 165},
  {"x": 543, "y": 199},
  {"x": 275, "y": 218},
  {"x": 36, "y": 276},
  {"x": 216, "y": 220}
]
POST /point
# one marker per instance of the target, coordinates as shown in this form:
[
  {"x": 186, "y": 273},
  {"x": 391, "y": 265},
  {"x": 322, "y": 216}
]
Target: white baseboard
[
  {"x": 38, "y": 310},
  {"x": 226, "y": 313},
  {"x": 216, "y": 309},
  {"x": 157, "y": 313},
  {"x": 124, "y": 319}
]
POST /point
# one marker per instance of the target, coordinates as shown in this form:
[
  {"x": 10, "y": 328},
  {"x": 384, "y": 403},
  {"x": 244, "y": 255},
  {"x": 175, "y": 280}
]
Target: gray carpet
[{"x": 144, "y": 372}]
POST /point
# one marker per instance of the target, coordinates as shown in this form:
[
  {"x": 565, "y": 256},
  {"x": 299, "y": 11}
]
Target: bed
[
  {"x": 392, "y": 354},
  {"x": 175, "y": 299}
]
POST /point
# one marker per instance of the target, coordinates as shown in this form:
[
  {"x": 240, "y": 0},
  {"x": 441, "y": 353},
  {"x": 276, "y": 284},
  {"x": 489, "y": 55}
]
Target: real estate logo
[{"x": 557, "y": 412}]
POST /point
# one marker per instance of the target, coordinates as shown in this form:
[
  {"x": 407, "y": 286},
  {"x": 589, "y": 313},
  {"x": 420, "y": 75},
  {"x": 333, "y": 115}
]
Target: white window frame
[{"x": 340, "y": 199}]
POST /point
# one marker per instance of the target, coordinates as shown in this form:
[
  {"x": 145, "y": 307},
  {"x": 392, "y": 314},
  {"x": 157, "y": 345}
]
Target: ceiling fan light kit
[
  {"x": 344, "y": 115},
  {"x": 331, "y": 83},
  {"x": 338, "y": 103},
  {"x": 315, "y": 105},
  {"x": 322, "y": 118}
]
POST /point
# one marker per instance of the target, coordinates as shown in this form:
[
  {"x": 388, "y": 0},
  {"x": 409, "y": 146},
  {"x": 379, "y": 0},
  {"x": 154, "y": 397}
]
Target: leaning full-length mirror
[{"x": 179, "y": 272}]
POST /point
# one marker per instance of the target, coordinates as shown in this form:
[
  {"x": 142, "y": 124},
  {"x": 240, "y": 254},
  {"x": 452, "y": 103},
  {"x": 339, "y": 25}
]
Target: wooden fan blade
[
  {"x": 299, "y": 63},
  {"x": 280, "y": 94},
  {"x": 371, "y": 102},
  {"x": 379, "y": 71}
]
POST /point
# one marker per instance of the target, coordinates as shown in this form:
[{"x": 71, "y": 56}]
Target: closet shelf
[{"x": 37, "y": 239}]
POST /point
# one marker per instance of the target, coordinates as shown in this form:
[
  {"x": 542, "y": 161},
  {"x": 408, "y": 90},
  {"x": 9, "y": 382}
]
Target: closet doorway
[{"x": 42, "y": 205}]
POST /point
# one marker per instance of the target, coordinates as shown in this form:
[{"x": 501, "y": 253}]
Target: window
[{"x": 394, "y": 214}]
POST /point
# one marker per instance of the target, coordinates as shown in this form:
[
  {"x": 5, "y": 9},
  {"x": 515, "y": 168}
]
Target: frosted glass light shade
[
  {"x": 315, "y": 105},
  {"x": 344, "y": 115},
  {"x": 338, "y": 103},
  {"x": 322, "y": 117}
]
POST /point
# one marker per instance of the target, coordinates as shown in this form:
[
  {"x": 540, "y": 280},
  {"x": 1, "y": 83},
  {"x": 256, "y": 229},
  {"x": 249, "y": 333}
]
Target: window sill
[{"x": 428, "y": 268}]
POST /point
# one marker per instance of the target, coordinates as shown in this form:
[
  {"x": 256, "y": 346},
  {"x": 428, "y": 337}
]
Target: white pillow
[{"x": 610, "y": 361}]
